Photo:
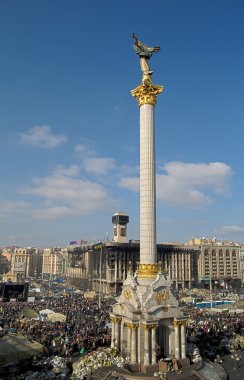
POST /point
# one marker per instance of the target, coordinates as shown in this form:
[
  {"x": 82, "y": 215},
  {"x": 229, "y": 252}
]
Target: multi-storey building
[
  {"x": 23, "y": 264},
  {"x": 52, "y": 264},
  {"x": 5, "y": 261},
  {"x": 105, "y": 265},
  {"x": 241, "y": 257},
  {"x": 219, "y": 264}
]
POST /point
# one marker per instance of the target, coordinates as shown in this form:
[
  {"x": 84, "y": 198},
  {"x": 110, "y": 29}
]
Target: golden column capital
[
  {"x": 146, "y": 327},
  {"x": 147, "y": 93},
  {"x": 176, "y": 324},
  {"x": 182, "y": 323},
  {"x": 148, "y": 270},
  {"x": 132, "y": 326},
  {"x": 115, "y": 319}
]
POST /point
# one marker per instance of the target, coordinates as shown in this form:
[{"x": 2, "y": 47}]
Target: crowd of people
[
  {"x": 86, "y": 326},
  {"x": 215, "y": 334}
]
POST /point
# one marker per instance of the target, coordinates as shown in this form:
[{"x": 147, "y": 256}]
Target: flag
[{"x": 73, "y": 242}]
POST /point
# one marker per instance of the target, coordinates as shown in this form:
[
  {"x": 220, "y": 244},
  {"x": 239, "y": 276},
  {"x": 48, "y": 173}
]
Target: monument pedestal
[
  {"x": 163, "y": 366},
  {"x": 134, "y": 367},
  {"x": 147, "y": 321},
  {"x": 185, "y": 362},
  {"x": 149, "y": 369}
]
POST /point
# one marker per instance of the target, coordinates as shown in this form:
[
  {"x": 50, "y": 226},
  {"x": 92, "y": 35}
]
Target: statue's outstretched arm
[{"x": 134, "y": 37}]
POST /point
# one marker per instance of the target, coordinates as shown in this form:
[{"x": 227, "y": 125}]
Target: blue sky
[{"x": 69, "y": 127}]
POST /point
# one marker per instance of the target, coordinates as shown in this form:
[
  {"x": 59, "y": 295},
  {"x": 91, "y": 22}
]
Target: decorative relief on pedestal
[
  {"x": 148, "y": 270},
  {"x": 147, "y": 93},
  {"x": 165, "y": 308},
  {"x": 127, "y": 294},
  {"x": 162, "y": 296}
]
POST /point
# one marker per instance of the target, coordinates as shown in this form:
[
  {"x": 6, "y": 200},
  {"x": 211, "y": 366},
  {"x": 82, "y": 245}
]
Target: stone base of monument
[
  {"x": 163, "y": 366},
  {"x": 184, "y": 362},
  {"x": 149, "y": 369},
  {"x": 143, "y": 320},
  {"x": 133, "y": 367}
]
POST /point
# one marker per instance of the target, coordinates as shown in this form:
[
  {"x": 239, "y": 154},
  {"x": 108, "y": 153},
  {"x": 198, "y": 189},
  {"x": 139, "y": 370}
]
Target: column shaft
[
  {"x": 128, "y": 341},
  {"x": 148, "y": 247},
  {"x": 113, "y": 333},
  {"x": 183, "y": 341},
  {"x": 117, "y": 334},
  {"x": 133, "y": 345},
  {"x": 177, "y": 343},
  {"x": 153, "y": 345},
  {"x": 146, "y": 346}
]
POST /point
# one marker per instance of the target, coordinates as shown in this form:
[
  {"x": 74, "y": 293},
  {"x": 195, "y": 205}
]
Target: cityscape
[
  {"x": 121, "y": 200},
  {"x": 191, "y": 264}
]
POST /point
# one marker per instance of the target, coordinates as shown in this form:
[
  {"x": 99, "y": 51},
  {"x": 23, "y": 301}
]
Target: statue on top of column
[{"x": 145, "y": 52}]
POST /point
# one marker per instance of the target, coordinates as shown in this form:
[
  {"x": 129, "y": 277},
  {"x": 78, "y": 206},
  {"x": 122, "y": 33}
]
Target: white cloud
[
  {"x": 90, "y": 161},
  {"x": 99, "y": 165},
  {"x": 41, "y": 136},
  {"x": 229, "y": 230},
  {"x": 85, "y": 149},
  {"x": 73, "y": 170},
  {"x": 65, "y": 195},
  {"x": 14, "y": 207},
  {"x": 188, "y": 184},
  {"x": 130, "y": 183}
]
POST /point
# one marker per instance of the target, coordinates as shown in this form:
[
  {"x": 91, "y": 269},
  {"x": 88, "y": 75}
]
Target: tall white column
[
  {"x": 146, "y": 95},
  {"x": 148, "y": 248}
]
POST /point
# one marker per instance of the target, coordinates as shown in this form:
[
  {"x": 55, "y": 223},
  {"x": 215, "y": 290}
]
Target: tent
[
  {"x": 56, "y": 317},
  {"x": 46, "y": 311},
  {"x": 28, "y": 313},
  {"x": 91, "y": 294},
  {"x": 187, "y": 299},
  {"x": 78, "y": 291},
  {"x": 15, "y": 348}
]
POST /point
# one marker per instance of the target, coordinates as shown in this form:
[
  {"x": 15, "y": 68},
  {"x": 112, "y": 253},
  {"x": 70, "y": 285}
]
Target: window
[{"x": 123, "y": 231}]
